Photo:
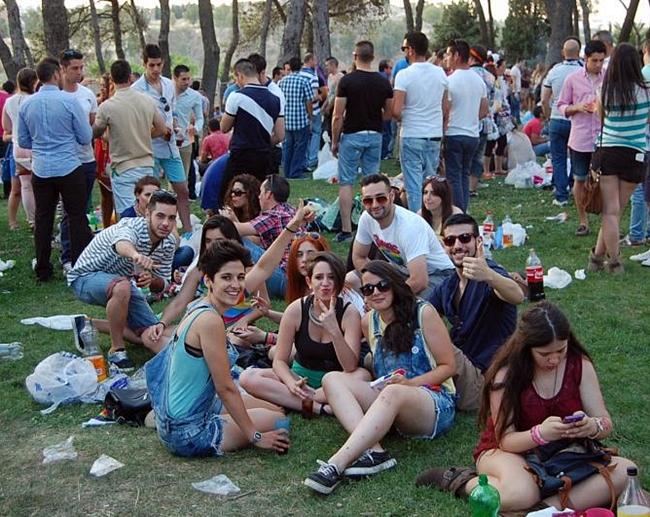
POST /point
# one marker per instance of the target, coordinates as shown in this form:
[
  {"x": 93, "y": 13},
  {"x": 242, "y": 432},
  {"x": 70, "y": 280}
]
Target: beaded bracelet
[{"x": 536, "y": 435}]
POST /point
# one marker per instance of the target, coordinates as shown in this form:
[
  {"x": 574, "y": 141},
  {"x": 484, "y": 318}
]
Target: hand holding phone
[
  {"x": 572, "y": 419},
  {"x": 378, "y": 384}
]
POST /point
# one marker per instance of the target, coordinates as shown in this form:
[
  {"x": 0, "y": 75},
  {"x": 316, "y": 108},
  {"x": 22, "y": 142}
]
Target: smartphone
[
  {"x": 379, "y": 383},
  {"x": 571, "y": 419}
]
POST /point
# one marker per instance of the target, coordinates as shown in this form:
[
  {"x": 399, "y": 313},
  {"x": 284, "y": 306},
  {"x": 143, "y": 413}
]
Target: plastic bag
[
  {"x": 557, "y": 278},
  {"x": 62, "y": 378},
  {"x": 524, "y": 174},
  {"x": 218, "y": 485},
  {"x": 325, "y": 155},
  {"x": 60, "y": 452},
  {"x": 104, "y": 465},
  {"x": 58, "y": 322},
  {"x": 327, "y": 171}
]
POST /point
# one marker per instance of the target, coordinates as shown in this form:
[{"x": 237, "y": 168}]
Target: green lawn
[{"x": 610, "y": 315}]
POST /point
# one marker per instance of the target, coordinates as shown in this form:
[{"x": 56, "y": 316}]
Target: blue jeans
[
  {"x": 542, "y": 149},
  {"x": 459, "y": 151},
  {"x": 183, "y": 257},
  {"x": 388, "y": 138},
  {"x": 639, "y": 228},
  {"x": 294, "y": 152},
  {"x": 515, "y": 107},
  {"x": 314, "y": 140},
  {"x": 276, "y": 284},
  {"x": 89, "y": 170},
  {"x": 476, "y": 168},
  {"x": 559, "y": 138},
  {"x": 361, "y": 149},
  {"x": 419, "y": 159}
]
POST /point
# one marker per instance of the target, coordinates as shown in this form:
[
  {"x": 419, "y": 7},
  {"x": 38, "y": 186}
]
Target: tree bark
[
  {"x": 230, "y": 51},
  {"x": 293, "y": 30},
  {"x": 491, "y": 24},
  {"x": 419, "y": 9},
  {"x": 308, "y": 35},
  {"x": 586, "y": 28},
  {"x": 559, "y": 15},
  {"x": 628, "y": 23},
  {"x": 94, "y": 21},
  {"x": 321, "y": 24},
  {"x": 576, "y": 18},
  {"x": 482, "y": 22},
  {"x": 408, "y": 14},
  {"x": 22, "y": 55},
  {"x": 56, "y": 32},
  {"x": 8, "y": 63},
  {"x": 139, "y": 24},
  {"x": 210, "y": 50},
  {"x": 163, "y": 37},
  {"x": 117, "y": 29},
  {"x": 266, "y": 23}
]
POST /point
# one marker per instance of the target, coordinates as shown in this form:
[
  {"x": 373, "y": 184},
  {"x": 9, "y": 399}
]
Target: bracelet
[
  {"x": 290, "y": 230},
  {"x": 161, "y": 322},
  {"x": 599, "y": 429},
  {"x": 536, "y": 435}
]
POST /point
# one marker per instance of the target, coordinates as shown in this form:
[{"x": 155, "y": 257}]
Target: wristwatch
[{"x": 257, "y": 436}]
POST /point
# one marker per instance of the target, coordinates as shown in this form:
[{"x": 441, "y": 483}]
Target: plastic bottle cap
[
  {"x": 632, "y": 471},
  {"x": 483, "y": 480}
]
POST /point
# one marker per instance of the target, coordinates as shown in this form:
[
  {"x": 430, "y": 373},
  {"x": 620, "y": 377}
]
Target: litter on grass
[
  {"x": 560, "y": 218},
  {"x": 60, "y": 452},
  {"x": 557, "y": 278},
  {"x": 58, "y": 322},
  {"x": 218, "y": 485},
  {"x": 104, "y": 465}
]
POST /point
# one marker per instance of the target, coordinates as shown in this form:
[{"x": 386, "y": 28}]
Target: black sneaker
[
  {"x": 325, "y": 479},
  {"x": 121, "y": 361},
  {"x": 343, "y": 237},
  {"x": 370, "y": 462},
  {"x": 78, "y": 323}
]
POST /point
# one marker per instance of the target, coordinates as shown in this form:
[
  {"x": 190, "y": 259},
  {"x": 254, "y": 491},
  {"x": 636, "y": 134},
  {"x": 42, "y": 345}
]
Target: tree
[
  {"x": 97, "y": 39},
  {"x": 293, "y": 30},
  {"x": 8, "y": 63},
  {"x": 525, "y": 30},
  {"x": 56, "y": 32},
  {"x": 210, "y": 50},
  {"x": 21, "y": 53},
  {"x": 321, "y": 24},
  {"x": 266, "y": 23},
  {"x": 230, "y": 51},
  {"x": 139, "y": 23},
  {"x": 482, "y": 22},
  {"x": 163, "y": 37},
  {"x": 411, "y": 23},
  {"x": 117, "y": 29},
  {"x": 458, "y": 20},
  {"x": 559, "y": 17},
  {"x": 491, "y": 25},
  {"x": 628, "y": 23},
  {"x": 586, "y": 28}
]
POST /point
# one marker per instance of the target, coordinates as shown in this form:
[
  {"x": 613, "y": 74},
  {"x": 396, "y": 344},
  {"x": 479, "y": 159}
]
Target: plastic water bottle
[
  {"x": 632, "y": 502},
  {"x": 90, "y": 338},
  {"x": 507, "y": 232},
  {"x": 535, "y": 277},
  {"x": 484, "y": 500},
  {"x": 11, "y": 351}
]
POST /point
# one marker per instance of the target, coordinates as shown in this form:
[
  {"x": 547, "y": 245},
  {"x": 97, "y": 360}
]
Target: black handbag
[
  {"x": 561, "y": 464},
  {"x": 128, "y": 405}
]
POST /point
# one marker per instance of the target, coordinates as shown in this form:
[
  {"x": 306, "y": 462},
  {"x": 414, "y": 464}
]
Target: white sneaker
[
  {"x": 67, "y": 267},
  {"x": 641, "y": 257},
  {"x": 560, "y": 203},
  {"x": 646, "y": 262}
]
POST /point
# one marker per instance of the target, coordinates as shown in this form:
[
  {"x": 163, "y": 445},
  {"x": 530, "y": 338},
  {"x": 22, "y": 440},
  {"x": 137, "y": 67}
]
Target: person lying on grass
[
  {"x": 189, "y": 380},
  {"x": 326, "y": 333},
  {"x": 541, "y": 375},
  {"x": 406, "y": 335}
]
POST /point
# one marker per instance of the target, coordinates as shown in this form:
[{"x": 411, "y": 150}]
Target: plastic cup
[
  {"x": 283, "y": 423},
  {"x": 599, "y": 512}
]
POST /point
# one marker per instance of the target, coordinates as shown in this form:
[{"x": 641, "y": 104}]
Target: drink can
[{"x": 99, "y": 363}]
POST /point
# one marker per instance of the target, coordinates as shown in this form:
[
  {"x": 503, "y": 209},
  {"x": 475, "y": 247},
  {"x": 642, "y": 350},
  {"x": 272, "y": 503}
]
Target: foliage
[
  {"x": 525, "y": 31},
  {"x": 458, "y": 20},
  {"x": 432, "y": 14}
]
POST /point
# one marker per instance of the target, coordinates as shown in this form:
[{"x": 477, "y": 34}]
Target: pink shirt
[
  {"x": 216, "y": 144},
  {"x": 581, "y": 87}
]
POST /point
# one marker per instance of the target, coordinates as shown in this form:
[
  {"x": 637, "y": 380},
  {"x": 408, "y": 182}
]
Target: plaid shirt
[
  {"x": 270, "y": 223},
  {"x": 297, "y": 90}
]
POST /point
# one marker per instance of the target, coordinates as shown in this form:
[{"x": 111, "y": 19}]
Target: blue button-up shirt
[
  {"x": 187, "y": 103},
  {"x": 52, "y": 123}
]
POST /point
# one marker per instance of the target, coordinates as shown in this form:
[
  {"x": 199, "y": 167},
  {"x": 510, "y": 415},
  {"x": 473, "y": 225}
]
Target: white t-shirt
[
  {"x": 88, "y": 102},
  {"x": 515, "y": 73},
  {"x": 466, "y": 89},
  {"x": 406, "y": 238},
  {"x": 424, "y": 84},
  {"x": 21, "y": 156},
  {"x": 275, "y": 90}
]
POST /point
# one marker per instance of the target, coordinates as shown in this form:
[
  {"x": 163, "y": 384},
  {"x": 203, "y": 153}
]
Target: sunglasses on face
[
  {"x": 405, "y": 48},
  {"x": 237, "y": 193},
  {"x": 164, "y": 101},
  {"x": 312, "y": 235},
  {"x": 368, "y": 289},
  {"x": 464, "y": 238},
  {"x": 382, "y": 199}
]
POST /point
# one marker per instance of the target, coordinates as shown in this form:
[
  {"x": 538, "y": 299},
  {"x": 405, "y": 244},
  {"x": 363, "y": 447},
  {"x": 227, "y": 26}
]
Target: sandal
[
  {"x": 451, "y": 480},
  {"x": 582, "y": 230}
]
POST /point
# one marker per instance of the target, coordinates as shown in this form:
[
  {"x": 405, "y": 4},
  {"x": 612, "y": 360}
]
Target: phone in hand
[
  {"x": 379, "y": 383},
  {"x": 572, "y": 419}
]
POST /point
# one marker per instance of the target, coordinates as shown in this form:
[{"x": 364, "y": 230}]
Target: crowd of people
[{"x": 419, "y": 323}]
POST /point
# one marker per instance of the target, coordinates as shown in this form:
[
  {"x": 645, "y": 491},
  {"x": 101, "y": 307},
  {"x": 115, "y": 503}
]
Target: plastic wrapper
[
  {"x": 104, "y": 465},
  {"x": 557, "y": 278},
  {"x": 218, "y": 485},
  {"x": 60, "y": 452}
]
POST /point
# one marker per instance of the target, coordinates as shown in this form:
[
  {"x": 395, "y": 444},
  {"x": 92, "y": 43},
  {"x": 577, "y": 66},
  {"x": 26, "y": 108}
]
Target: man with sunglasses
[
  {"x": 401, "y": 237},
  {"x": 479, "y": 302},
  {"x": 133, "y": 254},
  {"x": 165, "y": 151}
]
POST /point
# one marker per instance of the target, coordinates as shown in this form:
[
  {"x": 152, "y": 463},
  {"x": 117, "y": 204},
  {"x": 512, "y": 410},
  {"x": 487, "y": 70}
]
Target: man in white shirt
[
  {"x": 515, "y": 100},
  {"x": 419, "y": 93},
  {"x": 467, "y": 105}
]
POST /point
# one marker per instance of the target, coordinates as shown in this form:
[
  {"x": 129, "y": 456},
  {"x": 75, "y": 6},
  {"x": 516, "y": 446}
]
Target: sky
[{"x": 615, "y": 12}]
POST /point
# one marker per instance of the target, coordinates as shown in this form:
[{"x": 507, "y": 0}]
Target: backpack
[{"x": 128, "y": 405}]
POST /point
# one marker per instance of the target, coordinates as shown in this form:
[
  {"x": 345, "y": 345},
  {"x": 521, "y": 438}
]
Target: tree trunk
[
  {"x": 22, "y": 55},
  {"x": 56, "y": 32},
  {"x": 234, "y": 41},
  {"x": 408, "y": 14},
  {"x": 139, "y": 24},
  {"x": 491, "y": 24},
  {"x": 559, "y": 15},
  {"x": 482, "y": 22},
  {"x": 628, "y": 23},
  {"x": 8, "y": 63},
  {"x": 586, "y": 28},
  {"x": 266, "y": 23},
  {"x": 576, "y": 18},
  {"x": 163, "y": 37},
  {"x": 321, "y": 24},
  {"x": 94, "y": 21},
  {"x": 293, "y": 30},
  {"x": 117, "y": 29},
  {"x": 308, "y": 36},
  {"x": 210, "y": 50},
  {"x": 419, "y": 9}
]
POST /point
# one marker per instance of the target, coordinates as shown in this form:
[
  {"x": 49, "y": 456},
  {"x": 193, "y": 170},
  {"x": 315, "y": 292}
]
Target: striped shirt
[
  {"x": 628, "y": 129},
  {"x": 311, "y": 75},
  {"x": 100, "y": 254},
  {"x": 255, "y": 110}
]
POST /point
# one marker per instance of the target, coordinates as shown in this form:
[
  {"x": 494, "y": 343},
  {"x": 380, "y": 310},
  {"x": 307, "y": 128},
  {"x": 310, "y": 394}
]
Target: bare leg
[
  {"x": 116, "y": 311},
  {"x": 579, "y": 196},
  {"x": 498, "y": 164},
  {"x": 129, "y": 335},
  {"x": 264, "y": 384},
  {"x": 615, "y": 194},
  {"x": 27, "y": 197},
  {"x": 13, "y": 203},
  {"x": 349, "y": 397},
  {"x": 473, "y": 183},
  {"x": 233, "y": 438},
  {"x": 486, "y": 167},
  {"x": 253, "y": 402},
  {"x": 345, "y": 206},
  {"x": 183, "y": 199}
]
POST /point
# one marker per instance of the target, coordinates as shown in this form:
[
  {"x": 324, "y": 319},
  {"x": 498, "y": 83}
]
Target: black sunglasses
[
  {"x": 404, "y": 49},
  {"x": 368, "y": 289},
  {"x": 464, "y": 238},
  {"x": 164, "y": 101},
  {"x": 72, "y": 54},
  {"x": 382, "y": 199},
  {"x": 237, "y": 193}
]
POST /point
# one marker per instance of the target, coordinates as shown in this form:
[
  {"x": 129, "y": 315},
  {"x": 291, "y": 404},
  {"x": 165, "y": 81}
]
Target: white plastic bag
[
  {"x": 218, "y": 485},
  {"x": 557, "y": 278},
  {"x": 60, "y": 452},
  {"x": 62, "y": 378},
  {"x": 327, "y": 171},
  {"x": 58, "y": 322},
  {"x": 104, "y": 465},
  {"x": 325, "y": 155}
]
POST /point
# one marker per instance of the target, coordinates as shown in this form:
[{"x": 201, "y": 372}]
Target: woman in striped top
[{"x": 625, "y": 109}]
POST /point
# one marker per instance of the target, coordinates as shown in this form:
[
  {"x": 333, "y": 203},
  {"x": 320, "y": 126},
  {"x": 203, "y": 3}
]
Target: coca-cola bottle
[
  {"x": 488, "y": 234},
  {"x": 535, "y": 277}
]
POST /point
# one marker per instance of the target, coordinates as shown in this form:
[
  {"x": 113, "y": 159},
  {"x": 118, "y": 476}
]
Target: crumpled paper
[
  {"x": 557, "y": 278},
  {"x": 218, "y": 485}
]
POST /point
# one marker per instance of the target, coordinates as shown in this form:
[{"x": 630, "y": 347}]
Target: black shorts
[
  {"x": 621, "y": 162},
  {"x": 647, "y": 177}
]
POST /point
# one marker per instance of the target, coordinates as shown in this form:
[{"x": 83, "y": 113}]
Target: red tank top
[{"x": 536, "y": 409}]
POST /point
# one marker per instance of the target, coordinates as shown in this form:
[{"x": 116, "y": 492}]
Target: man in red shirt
[
  {"x": 533, "y": 130},
  {"x": 215, "y": 144}
]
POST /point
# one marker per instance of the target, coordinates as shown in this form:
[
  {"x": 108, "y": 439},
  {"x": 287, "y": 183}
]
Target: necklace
[
  {"x": 313, "y": 318},
  {"x": 553, "y": 393}
]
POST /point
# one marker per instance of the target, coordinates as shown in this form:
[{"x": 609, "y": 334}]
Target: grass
[{"x": 610, "y": 315}]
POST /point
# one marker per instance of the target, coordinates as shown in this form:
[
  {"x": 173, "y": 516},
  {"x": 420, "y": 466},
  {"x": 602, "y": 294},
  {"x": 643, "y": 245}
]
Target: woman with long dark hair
[
  {"x": 410, "y": 345},
  {"x": 540, "y": 376},
  {"x": 620, "y": 152},
  {"x": 243, "y": 197},
  {"x": 437, "y": 204}
]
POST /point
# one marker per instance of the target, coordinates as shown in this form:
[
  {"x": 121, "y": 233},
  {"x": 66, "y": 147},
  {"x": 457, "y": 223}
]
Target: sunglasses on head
[
  {"x": 237, "y": 193},
  {"x": 72, "y": 54},
  {"x": 312, "y": 235},
  {"x": 464, "y": 238},
  {"x": 382, "y": 199},
  {"x": 437, "y": 179},
  {"x": 368, "y": 289},
  {"x": 164, "y": 101}
]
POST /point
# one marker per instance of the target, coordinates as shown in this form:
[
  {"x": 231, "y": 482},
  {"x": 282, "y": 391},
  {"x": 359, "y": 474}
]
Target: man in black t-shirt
[{"x": 363, "y": 101}]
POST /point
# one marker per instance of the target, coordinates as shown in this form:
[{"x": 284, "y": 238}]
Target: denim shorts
[
  {"x": 123, "y": 186},
  {"x": 580, "y": 163},
  {"x": 445, "y": 407},
  {"x": 358, "y": 150},
  {"x": 173, "y": 168},
  {"x": 94, "y": 289},
  {"x": 197, "y": 438}
]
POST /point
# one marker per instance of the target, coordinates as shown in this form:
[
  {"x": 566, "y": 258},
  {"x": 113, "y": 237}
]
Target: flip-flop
[{"x": 451, "y": 480}]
